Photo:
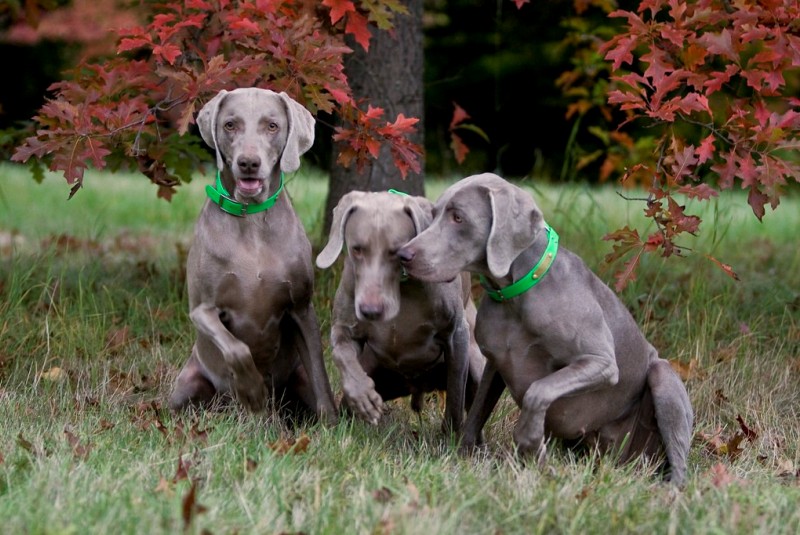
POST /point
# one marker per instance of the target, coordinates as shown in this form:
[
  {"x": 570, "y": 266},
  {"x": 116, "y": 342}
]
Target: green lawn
[{"x": 94, "y": 326}]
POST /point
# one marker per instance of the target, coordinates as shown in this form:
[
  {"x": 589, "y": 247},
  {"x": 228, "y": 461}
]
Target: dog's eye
[
  {"x": 229, "y": 126},
  {"x": 272, "y": 127},
  {"x": 357, "y": 251},
  {"x": 456, "y": 218}
]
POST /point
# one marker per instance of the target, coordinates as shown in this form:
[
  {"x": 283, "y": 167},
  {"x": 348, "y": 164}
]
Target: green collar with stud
[
  {"x": 533, "y": 277},
  {"x": 220, "y": 196}
]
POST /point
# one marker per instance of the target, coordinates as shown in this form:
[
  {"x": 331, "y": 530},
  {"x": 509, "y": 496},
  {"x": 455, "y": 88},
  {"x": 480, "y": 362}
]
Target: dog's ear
[
  {"x": 516, "y": 221},
  {"x": 347, "y": 204},
  {"x": 420, "y": 210},
  {"x": 300, "y": 136},
  {"x": 207, "y": 123}
]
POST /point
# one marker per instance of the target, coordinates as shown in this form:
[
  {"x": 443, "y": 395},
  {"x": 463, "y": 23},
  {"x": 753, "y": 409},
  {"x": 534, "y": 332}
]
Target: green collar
[
  {"x": 220, "y": 196},
  {"x": 533, "y": 277}
]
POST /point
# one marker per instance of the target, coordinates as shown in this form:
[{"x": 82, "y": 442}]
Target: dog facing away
[
  {"x": 394, "y": 336},
  {"x": 568, "y": 350},
  {"x": 249, "y": 271}
]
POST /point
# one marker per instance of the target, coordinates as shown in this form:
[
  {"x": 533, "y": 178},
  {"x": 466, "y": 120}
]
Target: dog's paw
[
  {"x": 252, "y": 395},
  {"x": 364, "y": 401}
]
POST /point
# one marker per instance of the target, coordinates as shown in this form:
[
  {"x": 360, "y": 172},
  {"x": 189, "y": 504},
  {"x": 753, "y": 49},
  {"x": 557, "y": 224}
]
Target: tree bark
[{"x": 389, "y": 76}]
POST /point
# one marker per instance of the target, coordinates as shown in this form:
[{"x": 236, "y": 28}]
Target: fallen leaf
[
  {"x": 182, "y": 470},
  {"x": 687, "y": 370},
  {"x": 748, "y": 432},
  {"x": 79, "y": 449},
  {"x": 190, "y": 507},
  {"x": 54, "y": 374},
  {"x": 24, "y": 443},
  {"x": 163, "y": 486},
  {"x": 283, "y": 446},
  {"x": 382, "y": 495},
  {"x": 118, "y": 338},
  {"x": 250, "y": 465},
  {"x": 720, "y": 477}
]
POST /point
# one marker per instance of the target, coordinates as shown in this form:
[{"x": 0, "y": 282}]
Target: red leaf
[
  {"x": 358, "y": 26},
  {"x": 724, "y": 267},
  {"x": 339, "y": 8},
  {"x": 246, "y": 25},
  {"x": 168, "y": 52},
  {"x": 706, "y": 150},
  {"x": 720, "y": 44},
  {"x": 133, "y": 43},
  {"x": 700, "y": 191},
  {"x": 718, "y": 79},
  {"x": 757, "y": 201},
  {"x": 460, "y": 150},
  {"x": 622, "y": 52},
  {"x": 459, "y": 116}
]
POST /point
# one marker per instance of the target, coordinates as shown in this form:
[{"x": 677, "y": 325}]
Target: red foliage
[
  {"x": 720, "y": 69},
  {"x": 136, "y": 106}
]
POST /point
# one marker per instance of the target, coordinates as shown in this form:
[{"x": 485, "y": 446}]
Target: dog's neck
[{"x": 523, "y": 263}]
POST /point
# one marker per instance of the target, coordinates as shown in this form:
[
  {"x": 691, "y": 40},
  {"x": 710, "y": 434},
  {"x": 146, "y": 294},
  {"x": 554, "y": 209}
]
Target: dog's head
[
  {"x": 481, "y": 224},
  {"x": 374, "y": 226},
  {"x": 256, "y": 133}
]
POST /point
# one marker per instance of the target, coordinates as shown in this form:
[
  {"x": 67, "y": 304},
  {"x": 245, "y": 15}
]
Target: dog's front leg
[
  {"x": 239, "y": 370},
  {"x": 313, "y": 362},
  {"x": 456, "y": 359},
  {"x": 487, "y": 395},
  {"x": 586, "y": 372},
  {"x": 358, "y": 387}
]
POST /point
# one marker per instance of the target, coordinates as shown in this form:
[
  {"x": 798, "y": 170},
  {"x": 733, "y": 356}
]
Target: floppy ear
[
  {"x": 300, "y": 136},
  {"x": 346, "y": 206},
  {"x": 516, "y": 220},
  {"x": 421, "y": 211},
  {"x": 207, "y": 123}
]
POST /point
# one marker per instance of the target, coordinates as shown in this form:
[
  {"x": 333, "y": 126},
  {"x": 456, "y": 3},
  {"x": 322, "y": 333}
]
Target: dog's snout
[
  {"x": 249, "y": 165},
  {"x": 371, "y": 311},
  {"x": 405, "y": 255}
]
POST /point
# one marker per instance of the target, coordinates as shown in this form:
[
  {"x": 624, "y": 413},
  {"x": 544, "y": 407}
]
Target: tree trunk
[{"x": 389, "y": 76}]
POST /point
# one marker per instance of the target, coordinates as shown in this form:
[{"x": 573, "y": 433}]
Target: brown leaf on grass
[
  {"x": 2, "y": 458},
  {"x": 726, "y": 353},
  {"x": 53, "y": 375},
  {"x": 117, "y": 339},
  {"x": 182, "y": 470},
  {"x": 721, "y": 477},
  {"x": 190, "y": 508},
  {"x": 720, "y": 445},
  {"x": 250, "y": 465},
  {"x": 383, "y": 495},
  {"x": 687, "y": 370},
  {"x": 25, "y": 444},
  {"x": 164, "y": 486},
  {"x": 749, "y": 433},
  {"x": 720, "y": 397},
  {"x": 198, "y": 434},
  {"x": 79, "y": 450},
  {"x": 105, "y": 425},
  {"x": 283, "y": 446}
]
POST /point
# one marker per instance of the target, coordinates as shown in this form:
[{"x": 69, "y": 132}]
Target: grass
[{"x": 94, "y": 326}]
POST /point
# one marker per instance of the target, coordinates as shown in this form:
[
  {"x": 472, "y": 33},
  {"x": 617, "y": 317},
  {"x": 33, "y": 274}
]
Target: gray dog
[
  {"x": 563, "y": 343},
  {"x": 249, "y": 269},
  {"x": 394, "y": 336}
]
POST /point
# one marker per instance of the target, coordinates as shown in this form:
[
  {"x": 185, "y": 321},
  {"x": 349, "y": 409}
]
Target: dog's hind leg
[
  {"x": 673, "y": 416},
  {"x": 191, "y": 386}
]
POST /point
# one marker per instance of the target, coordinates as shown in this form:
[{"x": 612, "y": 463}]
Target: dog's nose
[
  {"x": 372, "y": 311},
  {"x": 249, "y": 165},
  {"x": 405, "y": 255}
]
